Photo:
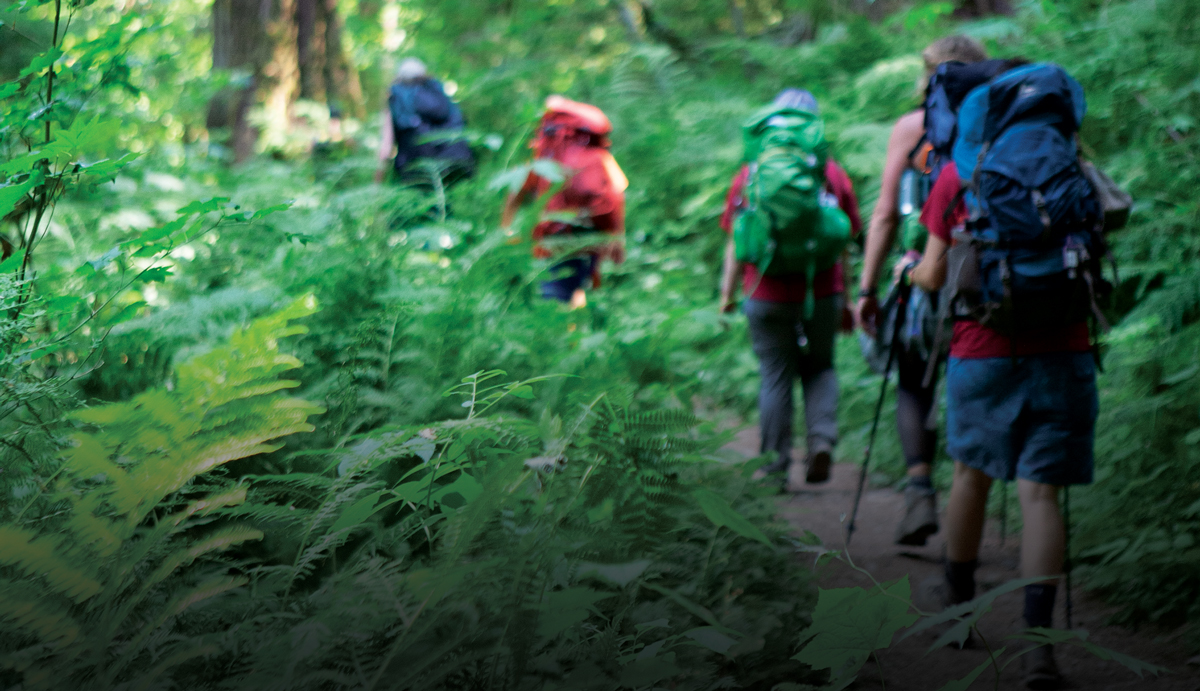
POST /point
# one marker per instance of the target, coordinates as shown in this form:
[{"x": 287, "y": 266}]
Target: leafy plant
[{"x": 100, "y": 567}]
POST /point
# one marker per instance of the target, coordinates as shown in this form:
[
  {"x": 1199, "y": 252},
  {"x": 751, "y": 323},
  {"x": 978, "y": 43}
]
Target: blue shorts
[
  {"x": 1034, "y": 418},
  {"x": 569, "y": 276}
]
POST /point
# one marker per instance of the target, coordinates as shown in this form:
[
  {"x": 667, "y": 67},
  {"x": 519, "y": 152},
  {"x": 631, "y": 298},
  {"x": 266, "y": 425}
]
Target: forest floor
[{"x": 906, "y": 666}]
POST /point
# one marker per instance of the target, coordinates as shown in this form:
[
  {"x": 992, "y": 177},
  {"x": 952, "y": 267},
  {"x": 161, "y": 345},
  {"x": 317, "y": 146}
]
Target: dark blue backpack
[
  {"x": 948, "y": 86},
  {"x": 1033, "y": 239},
  {"x": 423, "y": 102}
]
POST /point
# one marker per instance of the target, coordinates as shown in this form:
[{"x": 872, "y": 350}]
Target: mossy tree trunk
[{"x": 287, "y": 49}]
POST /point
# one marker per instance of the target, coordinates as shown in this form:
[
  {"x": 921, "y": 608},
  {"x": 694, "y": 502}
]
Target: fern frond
[
  {"x": 42, "y": 557},
  {"x": 25, "y": 609},
  {"x": 221, "y": 540}
]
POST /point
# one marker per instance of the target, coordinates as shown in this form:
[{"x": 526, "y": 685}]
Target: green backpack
[{"x": 789, "y": 224}]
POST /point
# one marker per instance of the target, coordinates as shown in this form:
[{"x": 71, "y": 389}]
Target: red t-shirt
[
  {"x": 972, "y": 339},
  {"x": 791, "y": 287}
]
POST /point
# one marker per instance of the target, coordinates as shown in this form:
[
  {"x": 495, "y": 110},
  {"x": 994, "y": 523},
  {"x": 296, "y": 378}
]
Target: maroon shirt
[
  {"x": 791, "y": 287},
  {"x": 971, "y": 339}
]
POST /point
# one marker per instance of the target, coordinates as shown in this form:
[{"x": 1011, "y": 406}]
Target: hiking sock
[
  {"x": 960, "y": 576},
  {"x": 1039, "y": 605},
  {"x": 922, "y": 481}
]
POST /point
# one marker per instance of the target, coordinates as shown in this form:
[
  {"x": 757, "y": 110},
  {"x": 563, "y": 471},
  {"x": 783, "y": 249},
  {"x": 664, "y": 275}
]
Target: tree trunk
[
  {"x": 311, "y": 50},
  {"x": 290, "y": 49},
  {"x": 280, "y": 83},
  {"x": 237, "y": 27},
  {"x": 341, "y": 78},
  {"x": 738, "y": 18}
]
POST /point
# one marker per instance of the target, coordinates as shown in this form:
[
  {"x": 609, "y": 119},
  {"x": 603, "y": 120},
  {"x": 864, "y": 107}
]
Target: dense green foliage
[{"x": 564, "y": 522}]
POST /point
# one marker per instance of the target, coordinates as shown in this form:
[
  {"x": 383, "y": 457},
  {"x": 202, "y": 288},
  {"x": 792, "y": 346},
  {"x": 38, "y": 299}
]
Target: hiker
[
  {"x": 418, "y": 107},
  {"x": 793, "y": 293},
  {"x": 911, "y": 167},
  {"x": 1019, "y": 255},
  {"x": 576, "y": 137}
]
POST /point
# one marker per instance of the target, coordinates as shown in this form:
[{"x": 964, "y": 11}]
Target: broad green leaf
[
  {"x": 562, "y": 609},
  {"x": 42, "y": 61},
  {"x": 357, "y": 512},
  {"x": 127, "y": 312},
  {"x": 965, "y": 683},
  {"x": 711, "y": 638},
  {"x": 108, "y": 167},
  {"x": 968, "y": 614},
  {"x": 105, "y": 259},
  {"x": 510, "y": 180},
  {"x": 618, "y": 574},
  {"x": 271, "y": 210},
  {"x": 205, "y": 206},
  {"x": 851, "y": 623},
  {"x": 723, "y": 515},
  {"x": 13, "y": 263},
  {"x": 11, "y": 195},
  {"x": 154, "y": 274},
  {"x": 549, "y": 169}
]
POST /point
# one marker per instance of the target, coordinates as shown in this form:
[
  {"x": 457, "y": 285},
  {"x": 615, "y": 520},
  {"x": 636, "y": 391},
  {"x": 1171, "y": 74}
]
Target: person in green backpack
[{"x": 790, "y": 213}]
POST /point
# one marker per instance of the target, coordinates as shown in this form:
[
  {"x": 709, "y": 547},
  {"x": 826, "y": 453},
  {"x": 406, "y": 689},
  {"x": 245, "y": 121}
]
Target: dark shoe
[
  {"x": 933, "y": 595},
  {"x": 776, "y": 467},
  {"x": 920, "y": 516},
  {"x": 816, "y": 466},
  {"x": 1039, "y": 669}
]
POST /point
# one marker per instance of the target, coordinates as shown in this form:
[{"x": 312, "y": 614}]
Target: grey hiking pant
[{"x": 774, "y": 333}]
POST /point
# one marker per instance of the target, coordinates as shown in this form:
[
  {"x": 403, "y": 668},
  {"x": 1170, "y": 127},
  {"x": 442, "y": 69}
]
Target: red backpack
[{"x": 576, "y": 136}]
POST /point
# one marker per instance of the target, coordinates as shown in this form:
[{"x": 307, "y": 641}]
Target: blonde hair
[{"x": 958, "y": 47}]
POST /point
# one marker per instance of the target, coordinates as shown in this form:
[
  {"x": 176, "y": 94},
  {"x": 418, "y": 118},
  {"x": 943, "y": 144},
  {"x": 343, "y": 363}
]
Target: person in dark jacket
[{"x": 418, "y": 107}]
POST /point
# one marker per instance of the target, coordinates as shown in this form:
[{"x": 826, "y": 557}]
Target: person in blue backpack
[
  {"x": 912, "y": 165},
  {"x": 418, "y": 111},
  {"x": 1015, "y": 236}
]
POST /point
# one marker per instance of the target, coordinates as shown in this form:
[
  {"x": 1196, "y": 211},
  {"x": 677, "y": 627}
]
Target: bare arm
[
  {"x": 930, "y": 273},
  {"x": 387, "y": 144},
  {"x": 511, "y": 204},
  {"x": 728, "y": 277},
  {"x": 881, "y": 232}
]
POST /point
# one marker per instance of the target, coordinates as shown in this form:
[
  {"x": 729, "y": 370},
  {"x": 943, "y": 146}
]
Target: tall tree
[{"x": 289, "y": 49}]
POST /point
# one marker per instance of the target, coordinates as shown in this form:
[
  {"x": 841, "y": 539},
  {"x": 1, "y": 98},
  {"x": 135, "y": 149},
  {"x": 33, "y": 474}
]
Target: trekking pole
[
  {"x": 1067, "y": 548},
  {"x": 887, "y": 372}
]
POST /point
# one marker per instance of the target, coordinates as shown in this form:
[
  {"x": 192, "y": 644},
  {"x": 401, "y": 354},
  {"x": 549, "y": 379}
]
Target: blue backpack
[
  {"x": 1030, "y": 255},
  {"x": 948, "y": 86}
]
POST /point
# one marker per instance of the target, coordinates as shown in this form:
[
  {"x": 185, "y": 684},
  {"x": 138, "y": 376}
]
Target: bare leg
[
  {"x": 965, "y": 513},
  {"x": 920, "y": 470},
  {"x": 1043, "y": 537},
  {"x": 578, "y": 299}
]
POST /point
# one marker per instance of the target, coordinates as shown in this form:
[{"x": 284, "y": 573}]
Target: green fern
[{"x": 125, "y": 545}]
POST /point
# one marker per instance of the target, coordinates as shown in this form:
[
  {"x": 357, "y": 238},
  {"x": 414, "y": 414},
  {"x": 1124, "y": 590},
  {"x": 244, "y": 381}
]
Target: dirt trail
[{"x": 905, "y": 666}]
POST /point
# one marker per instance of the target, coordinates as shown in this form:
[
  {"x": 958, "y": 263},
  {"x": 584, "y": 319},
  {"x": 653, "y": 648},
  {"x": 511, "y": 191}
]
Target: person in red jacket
[
  {"x": 576, "y": 137},
  {"x": 1025, "y": 410},
  {"x": 774, "y": 307}
]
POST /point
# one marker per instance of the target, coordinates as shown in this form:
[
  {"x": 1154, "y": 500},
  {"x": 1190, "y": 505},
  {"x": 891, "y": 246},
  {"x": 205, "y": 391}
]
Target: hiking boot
[
  {"x": 776, "y": 467},
  {"x": 1039, "y": 669},
  {"x": 816, "y": 465},
  {"x": 933, "y": 596},
  {"x": 920, "y": 516}
]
